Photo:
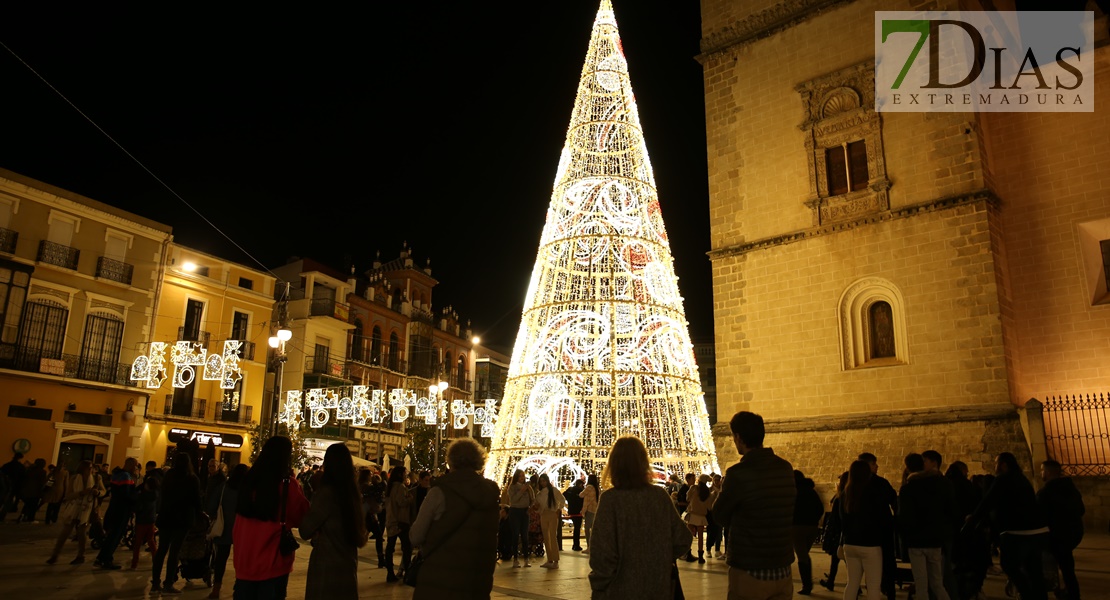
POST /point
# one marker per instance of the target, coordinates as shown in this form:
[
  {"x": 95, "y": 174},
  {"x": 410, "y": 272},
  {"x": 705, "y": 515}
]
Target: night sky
[{"x": 333, "y": 132}]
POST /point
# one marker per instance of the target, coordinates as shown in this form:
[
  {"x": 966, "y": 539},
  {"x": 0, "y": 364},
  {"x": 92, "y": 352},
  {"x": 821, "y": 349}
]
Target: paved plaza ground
[{"x": 24, "y": 575}]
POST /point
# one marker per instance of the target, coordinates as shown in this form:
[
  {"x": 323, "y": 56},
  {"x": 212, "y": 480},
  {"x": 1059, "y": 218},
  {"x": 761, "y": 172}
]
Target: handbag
[
  {"x": 216, "y": 529},
  {"x": 287, "y": 544},
  {"x": 413, "y": 572}
]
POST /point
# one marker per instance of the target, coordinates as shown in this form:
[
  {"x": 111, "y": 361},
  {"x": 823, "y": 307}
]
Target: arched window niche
[{"x": 872, "y": 325}]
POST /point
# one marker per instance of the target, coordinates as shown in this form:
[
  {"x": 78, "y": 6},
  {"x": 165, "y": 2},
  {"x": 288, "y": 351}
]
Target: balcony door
[
  {"x": 41, "y": 333},
  {"x": 100, "y": 348},
  {"x": 194, "y": 312}
]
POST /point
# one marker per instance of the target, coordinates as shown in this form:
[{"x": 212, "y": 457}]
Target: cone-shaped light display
[{"x": 603, "y": 348}]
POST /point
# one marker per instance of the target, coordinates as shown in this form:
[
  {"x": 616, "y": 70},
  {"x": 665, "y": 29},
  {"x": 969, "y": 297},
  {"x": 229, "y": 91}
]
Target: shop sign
[{"x": 203, "y": 438}]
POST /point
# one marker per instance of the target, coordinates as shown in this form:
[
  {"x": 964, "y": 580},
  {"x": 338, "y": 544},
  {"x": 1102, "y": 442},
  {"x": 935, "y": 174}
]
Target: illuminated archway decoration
[{"x": 603, "y": 348}]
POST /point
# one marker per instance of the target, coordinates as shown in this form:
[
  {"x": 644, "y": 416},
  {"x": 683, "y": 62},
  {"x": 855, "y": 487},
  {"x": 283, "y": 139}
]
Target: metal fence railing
[{"x": 1077, "y": 432}]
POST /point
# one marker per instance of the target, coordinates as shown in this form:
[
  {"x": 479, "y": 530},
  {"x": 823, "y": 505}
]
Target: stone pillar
[{"x": 1032, "y": 423}]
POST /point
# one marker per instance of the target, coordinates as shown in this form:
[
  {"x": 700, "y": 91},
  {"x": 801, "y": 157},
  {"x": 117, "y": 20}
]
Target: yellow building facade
[
  {"x": 205, "y": 300},
  {"x": 79, "y": 282}
]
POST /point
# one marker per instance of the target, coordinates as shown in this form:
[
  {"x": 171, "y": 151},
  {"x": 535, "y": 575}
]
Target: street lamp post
[
  {"x": 277, "y": 342},
  {"x": 436, "y": 392}
]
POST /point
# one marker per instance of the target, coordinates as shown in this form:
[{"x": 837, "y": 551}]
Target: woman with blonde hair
[
  {"x": 637, "y": 534},
  {"x": 80, "y": 497}
]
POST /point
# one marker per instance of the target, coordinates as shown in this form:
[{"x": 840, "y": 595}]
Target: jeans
[
  {"x": 1020, "y": 558},
  {"x": 1062, "y": 552},
  {"x": 267, "y": 589},
  {"x": 115, "y": 529},
  {"x": 928, "y": 572},
  {"x": 803, "y": 537},
  {"x": 170, "y": 542},
  {"x": 518, "y": 528},
  {"x": 588, "y": 523},
  {"x": 52, "y": 511},
  {"x": 576, "y": 522},
  {"x": 863, "y": 561},
  {"x": 219, "y": 561},
  {"x": 406, "y": 549},
  {"x": 742, "y": 586}
]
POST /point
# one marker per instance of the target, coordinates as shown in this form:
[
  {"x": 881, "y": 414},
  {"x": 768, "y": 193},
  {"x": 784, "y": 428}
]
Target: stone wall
[{"x": 824, "y": 448}]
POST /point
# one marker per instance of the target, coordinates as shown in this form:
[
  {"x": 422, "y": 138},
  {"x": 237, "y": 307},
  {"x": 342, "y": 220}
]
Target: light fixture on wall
[
  {"x": 71, "y": 406},
  {"x": 108, "y": 410},
  {"x": 129, "y": 414},
  {"x": 32, "y": 402}
]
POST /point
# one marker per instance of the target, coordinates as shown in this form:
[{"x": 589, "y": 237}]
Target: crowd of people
[{"x": 759, "y": 517}]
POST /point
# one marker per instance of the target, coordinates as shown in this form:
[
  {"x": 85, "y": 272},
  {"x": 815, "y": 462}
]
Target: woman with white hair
[{"x": 456, "y": 528}]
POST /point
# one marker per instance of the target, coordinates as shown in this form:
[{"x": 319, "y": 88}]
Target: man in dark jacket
[
  {"x": 125, "y": 492},
  {"x": 573, "y": 494},
  {"x": 1017, "y": 522},
  {"x": 808, "y": 510},
  {"x": 1062, "y": 506},
  {"x": 756, "y": 504},
  {"x": 926, "y": 511}
]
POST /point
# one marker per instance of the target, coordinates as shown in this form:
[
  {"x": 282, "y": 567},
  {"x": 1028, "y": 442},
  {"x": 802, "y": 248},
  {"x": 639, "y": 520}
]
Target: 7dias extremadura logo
[{"x": 984, "y": 61}]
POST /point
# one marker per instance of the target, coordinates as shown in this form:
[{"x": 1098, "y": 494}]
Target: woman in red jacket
[{"x": 269, "y": 496}]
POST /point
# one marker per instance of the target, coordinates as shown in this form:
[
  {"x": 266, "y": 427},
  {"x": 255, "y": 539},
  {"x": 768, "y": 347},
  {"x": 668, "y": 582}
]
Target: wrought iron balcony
[
  {"x": 57, "y": 254},
  {"x": 193, "y": 335},
  {"x": 72, "y": 366},
  {"x": 196, "y": 410},
  {"x": 326, "y": 365},
  {"x": 328, "y": 307},
  {"x": 114, "y": 270},
  {"x": 243, "y": 416},
  {"x": 8, "y": 239}
]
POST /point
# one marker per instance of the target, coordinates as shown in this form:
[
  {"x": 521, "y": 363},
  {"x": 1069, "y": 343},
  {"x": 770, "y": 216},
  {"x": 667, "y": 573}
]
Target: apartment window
[
  {"x": 394, "y": 351},
  {"x": 320, "y": 358},
  {"x": 13, "y": 291},
  {"x": 357, "y": 342},
  {"x": 194, "y": 312},
  {"x": 62, "y": 228},
  {"x": 846, "y": 168},
  {"x": 116, "y": 245},
  {"x": 8, "y": 207},
  {"x": 100, "y": 348},
  {"x": 246, "y": 284},
  {"x": 376, "y": 346},
  {"x": 182, "y": 403},
  {"x": 240, "y": 326},
  {"x": 41, "y": 332}
]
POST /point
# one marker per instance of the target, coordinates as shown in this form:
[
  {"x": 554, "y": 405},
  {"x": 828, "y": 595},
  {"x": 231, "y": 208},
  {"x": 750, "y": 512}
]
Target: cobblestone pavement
[{"x": 24, "y": 574}]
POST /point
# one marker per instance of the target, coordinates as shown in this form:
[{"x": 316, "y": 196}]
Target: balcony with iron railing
[
  {"x": 193, "y": 335},
  {"x": 56, "y": 254},
  {"x": 196, "y": 411},
  {"x": 328, "y": 307},
  {"x": 326, "y": 365},
  {"x": 72, "y": 366},
  {"x": 243, "y": 416},
  {"x": 114, "y": 270},
  {"x": 8, "y": 238}
]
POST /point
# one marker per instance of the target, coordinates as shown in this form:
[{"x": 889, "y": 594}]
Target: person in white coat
[
  {"x": 550, "y": 502},
  {"x": 77, "y": 505}
]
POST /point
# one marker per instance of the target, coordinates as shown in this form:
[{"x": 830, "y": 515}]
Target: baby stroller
[{"x": 196, "y": 552}]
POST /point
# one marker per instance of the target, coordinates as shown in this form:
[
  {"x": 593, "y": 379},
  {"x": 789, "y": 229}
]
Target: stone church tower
[{"x": 887, "y": 282}]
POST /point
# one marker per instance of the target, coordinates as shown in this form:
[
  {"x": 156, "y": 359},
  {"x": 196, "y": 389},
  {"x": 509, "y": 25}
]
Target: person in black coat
[
  {"x": 1011, "y": 505},
  {"x": 573, "y": 494},
  {"x": 808, "y": 509},
  {"x": 1062, "y": 506},
  {"x": 179, "y": 504}
]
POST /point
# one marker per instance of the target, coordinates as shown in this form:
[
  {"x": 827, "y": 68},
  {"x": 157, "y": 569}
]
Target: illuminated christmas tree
[{"x": 603, "y": 348}]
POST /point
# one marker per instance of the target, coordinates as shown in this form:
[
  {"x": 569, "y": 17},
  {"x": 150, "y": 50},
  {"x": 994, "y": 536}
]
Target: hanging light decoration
[{"x": 603, "y": 348}]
